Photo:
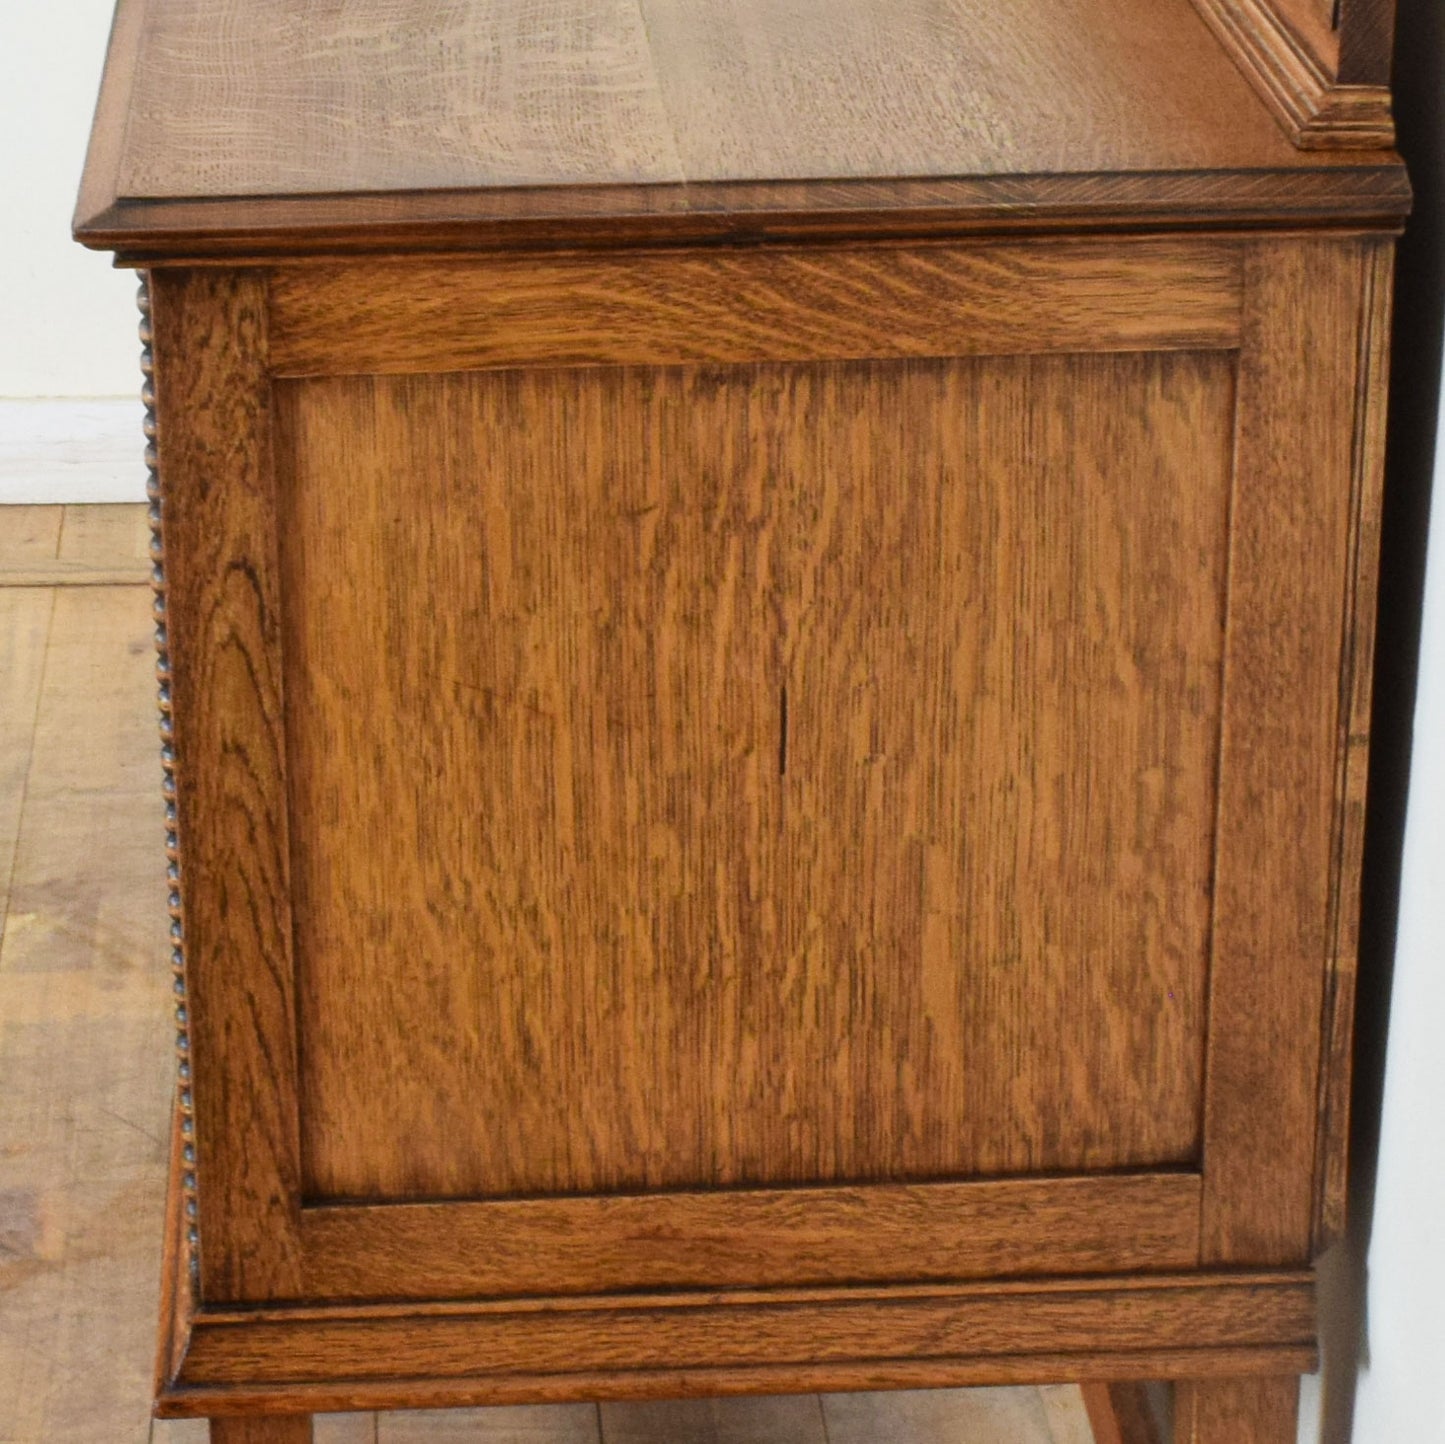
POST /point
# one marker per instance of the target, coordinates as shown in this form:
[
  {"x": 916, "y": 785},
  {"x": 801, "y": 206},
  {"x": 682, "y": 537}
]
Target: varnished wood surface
[
  {"x": 623, "y": 524},
  {"x": 1351, "y": 40},
  {"x": 1236, "y": 1411},
  {"x": 829, "y": 88},
  {"x": 222, "y": 625},
  {"x": 1313, "y": 22},
  {"x": 1339, "y": 194},
  {"x": 674, "y": 1345},
  {"x": 255, "y": 97},
  {"x": 944, "y": 1231},
  {"x": 1294, "y": 62},
  {"x": 1296, "y": 518},
  {"x": 775, "y": 305},
  {"x": 472, "y": 123},
  {"x": 1367, "y": 41},
  {"x": 1353, "y": 745},
  {"x": 465, "y": 95},
  {"x": 696, "y": 941},
  {"x": 1123, "y": 1413}
]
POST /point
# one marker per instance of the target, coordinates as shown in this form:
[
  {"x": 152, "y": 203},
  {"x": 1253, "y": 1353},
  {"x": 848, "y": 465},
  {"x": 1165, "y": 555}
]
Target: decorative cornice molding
[{"x": 1316, "y": 111}]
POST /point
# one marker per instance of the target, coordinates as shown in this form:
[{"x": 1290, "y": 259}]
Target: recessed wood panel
[{"x": 752, "y": 775}]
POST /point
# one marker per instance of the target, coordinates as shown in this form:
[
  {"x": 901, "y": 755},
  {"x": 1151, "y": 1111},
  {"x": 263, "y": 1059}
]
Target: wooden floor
[{"x": 86, "y": 1061}]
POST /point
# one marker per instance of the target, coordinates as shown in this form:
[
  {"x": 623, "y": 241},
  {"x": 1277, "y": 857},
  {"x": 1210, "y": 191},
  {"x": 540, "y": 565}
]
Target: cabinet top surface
[{"x": 231, "y": 114}]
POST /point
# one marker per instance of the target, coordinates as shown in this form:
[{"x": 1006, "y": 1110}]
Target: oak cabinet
[{"x": 766, "y": 773}]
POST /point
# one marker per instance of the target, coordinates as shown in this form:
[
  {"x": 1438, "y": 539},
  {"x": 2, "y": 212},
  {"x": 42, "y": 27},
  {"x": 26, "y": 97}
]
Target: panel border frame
[{"x": 214, "y": 375}]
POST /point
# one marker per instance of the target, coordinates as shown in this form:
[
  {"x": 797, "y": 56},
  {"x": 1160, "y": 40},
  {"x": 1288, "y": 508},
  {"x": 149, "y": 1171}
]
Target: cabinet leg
[
  {"x": 1121, "y": 1414},
  {"x": 275, "y": 1429},
  {"x": 1236, "y": 1411}
]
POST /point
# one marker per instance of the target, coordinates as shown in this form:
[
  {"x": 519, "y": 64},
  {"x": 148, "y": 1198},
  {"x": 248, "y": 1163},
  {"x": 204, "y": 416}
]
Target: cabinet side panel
[
  {"x": 223, "y": 627},
  {"x": 1291, "y": 553},
  {"x": 753, "y": 775}
]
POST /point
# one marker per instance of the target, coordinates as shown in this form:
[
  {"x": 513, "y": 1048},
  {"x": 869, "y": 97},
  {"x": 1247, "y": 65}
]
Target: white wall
[
  {"x": 67, "y": 318},
  {"x": 1401, "y": 1390}
]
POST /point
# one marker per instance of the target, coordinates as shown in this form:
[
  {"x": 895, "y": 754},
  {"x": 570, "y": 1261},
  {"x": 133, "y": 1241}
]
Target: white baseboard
[{"x": 71, "y": 449}]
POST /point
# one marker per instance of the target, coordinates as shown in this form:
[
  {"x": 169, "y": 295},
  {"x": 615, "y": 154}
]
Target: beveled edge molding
[
  {"x": 1316, "y": 111},
  {"x": 338, "y": 1357},
  {"x": 1330, "y": 194}
]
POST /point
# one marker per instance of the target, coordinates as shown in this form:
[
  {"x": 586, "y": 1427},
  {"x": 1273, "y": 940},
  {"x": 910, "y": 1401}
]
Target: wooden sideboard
[{"x": 765, "y": 615}]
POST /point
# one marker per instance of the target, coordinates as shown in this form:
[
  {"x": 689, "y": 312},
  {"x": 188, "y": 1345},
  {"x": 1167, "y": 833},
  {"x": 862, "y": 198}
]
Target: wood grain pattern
[
  {"x": 1367, "y": 41},
  {"x": 1236, "y": 1411},
  {"x": 679, "y": 1345},
  {"x": 915, "y": 87},
  {"x": 563, "y": 92},
  {"x": 222, "y": 628},
  {"x": 472, "y": 124},
  {"x": 1335, "y": 192},
  {"x": 1291, "y": 553},
  {"x": 1295, "y": 63},
  {"x": 462, "y": 1393},
  {"x": 24, "y": 631},
  {"x": 29, "y": 537},
  {"x": 801, "y": 1236},
  {"x": 445, "y": 94},
  {"x": 1121, "y": 1414},
  {"x": 668, "y": 954},
  {"x": 624, "y": 562},
  {"x": 775, "y": 305},
  {"x": 1351, "y": 40},
  {"x": 105, "y": 153},
  {"x": 105, "y": 540},
  {"x": 83, "y": 545},
  {"x": 83, "y": 1016},
  {"x": 734, "y": 795},
  {"x": 1353, "y": 744}
]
